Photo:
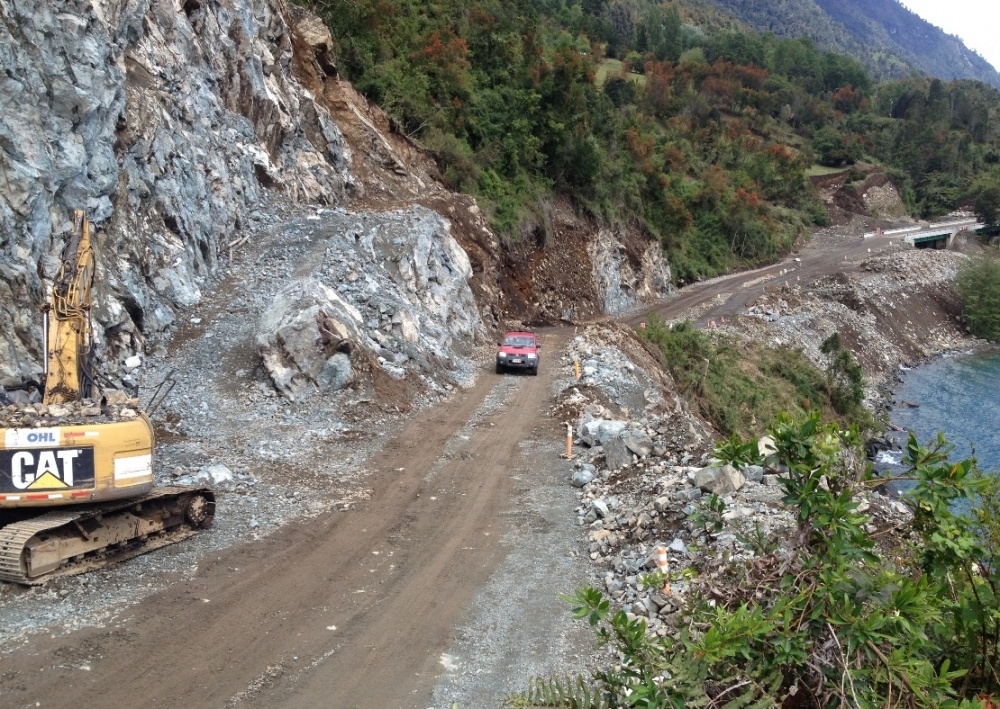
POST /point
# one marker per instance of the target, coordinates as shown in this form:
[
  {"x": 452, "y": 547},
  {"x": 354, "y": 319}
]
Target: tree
[
  {"x": 987, "y": 205},
  {"x": 749, "y": 236},
  {"x": 737, "y": 47},
  {"x": 660, "y": 33},
  {"x": 832, "y": 148},
  {"x": 620, "y": 89},
  {"x": 979, "y": 286},
  {"x": 845, "y": 380}
]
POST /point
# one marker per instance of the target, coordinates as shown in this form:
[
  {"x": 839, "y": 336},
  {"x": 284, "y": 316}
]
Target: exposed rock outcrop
[
  {"x": 392, "y": 288},
  {"x": 621, "y": 285},
  {"x": 169, "y": 124}
]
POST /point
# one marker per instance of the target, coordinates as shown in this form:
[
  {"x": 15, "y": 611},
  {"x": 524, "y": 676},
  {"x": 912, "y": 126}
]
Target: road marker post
[
  {"x": 568, "y": 455},
  {"x": 663, "y": 566}
]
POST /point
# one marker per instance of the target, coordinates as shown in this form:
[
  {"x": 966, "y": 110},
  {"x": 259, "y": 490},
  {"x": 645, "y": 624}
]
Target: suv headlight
[
  {"x": 531, "y": 355},
  {"x": 501, "y": 355}
]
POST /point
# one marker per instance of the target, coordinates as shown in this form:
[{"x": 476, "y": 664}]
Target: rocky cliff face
[
  {"x": 167, "y": 122},
  {"x": 175, "y": 125}
]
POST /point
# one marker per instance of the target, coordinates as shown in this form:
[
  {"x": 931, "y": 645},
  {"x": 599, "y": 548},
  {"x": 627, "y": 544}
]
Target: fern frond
[{"x": 548, "y": 692}]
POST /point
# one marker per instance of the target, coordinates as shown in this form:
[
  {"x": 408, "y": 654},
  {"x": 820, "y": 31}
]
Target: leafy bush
[
  {"x": 823, "y": 617},
  {"x": 736, "y": 452},
  {"x": 979, "y": 285}
]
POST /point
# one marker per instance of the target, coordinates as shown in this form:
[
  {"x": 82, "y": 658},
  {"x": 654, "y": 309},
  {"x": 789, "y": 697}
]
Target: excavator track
[{"x": 72, "y": 541}]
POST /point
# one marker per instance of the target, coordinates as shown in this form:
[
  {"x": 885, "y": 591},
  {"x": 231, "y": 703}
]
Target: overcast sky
[{"x": 977, "y": 22}]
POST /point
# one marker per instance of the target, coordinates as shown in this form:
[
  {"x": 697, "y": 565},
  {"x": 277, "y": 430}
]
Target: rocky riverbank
[{"x": 644, "y": 466}]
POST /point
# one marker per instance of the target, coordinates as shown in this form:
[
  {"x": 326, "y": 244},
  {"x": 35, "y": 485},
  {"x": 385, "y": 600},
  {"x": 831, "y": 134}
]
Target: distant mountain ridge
[{"x": 887, "y": 37}]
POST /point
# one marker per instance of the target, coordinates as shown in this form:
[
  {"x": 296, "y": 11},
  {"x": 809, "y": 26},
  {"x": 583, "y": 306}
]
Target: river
[{"x": 958, "y": 395}]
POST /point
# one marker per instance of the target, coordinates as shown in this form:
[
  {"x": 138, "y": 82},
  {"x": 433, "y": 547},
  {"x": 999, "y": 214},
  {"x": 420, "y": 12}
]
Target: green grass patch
[
  {"x": 610, "y": 67},
  {"x": 823, "y": 170},
  {"x": 741, "y": 386}
]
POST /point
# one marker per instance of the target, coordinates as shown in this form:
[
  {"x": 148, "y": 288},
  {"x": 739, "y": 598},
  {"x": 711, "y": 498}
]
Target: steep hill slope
[
  {"x": 888, "y": 38},
  {"x": 176, "y": 126}
]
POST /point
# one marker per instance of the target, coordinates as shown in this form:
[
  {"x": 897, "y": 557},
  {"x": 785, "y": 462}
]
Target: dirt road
[
  {"x": 824, "y": 255},
  {"x": 351, "y": 609},
  {"x": 357, "y": 608}
]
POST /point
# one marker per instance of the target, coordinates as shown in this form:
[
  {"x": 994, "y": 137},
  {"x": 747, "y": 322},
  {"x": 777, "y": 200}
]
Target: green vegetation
[
  {"x": 979, "y": 286},
  {"x": 845, "y": 382},
  {"x": 740, "y": 386},
  {"x": 707, "y": 147},
  {"x": 888, "y": 39},
  {"x": 821, "y": 616}
]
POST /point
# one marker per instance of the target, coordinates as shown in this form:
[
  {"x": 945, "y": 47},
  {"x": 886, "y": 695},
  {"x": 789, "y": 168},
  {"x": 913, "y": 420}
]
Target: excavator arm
[{"x": 68, "y": 338}]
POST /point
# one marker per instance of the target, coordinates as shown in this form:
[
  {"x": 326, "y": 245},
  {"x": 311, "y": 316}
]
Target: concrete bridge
[{"x": 932, "y": 236}]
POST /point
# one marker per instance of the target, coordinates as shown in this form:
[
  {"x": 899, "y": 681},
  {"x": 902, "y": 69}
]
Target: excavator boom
[{"x": 67, "y": 319}]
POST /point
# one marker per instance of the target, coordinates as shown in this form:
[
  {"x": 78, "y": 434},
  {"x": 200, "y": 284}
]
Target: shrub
[
  {"x": 979, "y": 286},
  {"x": 822, "y": 617}
]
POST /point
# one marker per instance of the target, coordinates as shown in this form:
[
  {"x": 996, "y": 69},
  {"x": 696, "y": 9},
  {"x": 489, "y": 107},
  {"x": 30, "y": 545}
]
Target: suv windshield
[{"x": 518, "y": 342}]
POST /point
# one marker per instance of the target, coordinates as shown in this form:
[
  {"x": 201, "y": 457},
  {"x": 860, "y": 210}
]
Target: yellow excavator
[{"x": 76, "y": 458}]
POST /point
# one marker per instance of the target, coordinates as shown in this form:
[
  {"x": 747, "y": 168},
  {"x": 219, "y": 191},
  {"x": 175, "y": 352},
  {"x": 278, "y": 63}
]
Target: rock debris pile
[
  {"x": 116, "y": 406},
  {"x": 647, "y": 481},
  {"x": 390, "y": 289}
]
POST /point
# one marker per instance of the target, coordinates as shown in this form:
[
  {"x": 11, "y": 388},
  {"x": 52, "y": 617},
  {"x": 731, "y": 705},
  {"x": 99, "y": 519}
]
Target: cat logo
[{"x": 46, "y": 469}]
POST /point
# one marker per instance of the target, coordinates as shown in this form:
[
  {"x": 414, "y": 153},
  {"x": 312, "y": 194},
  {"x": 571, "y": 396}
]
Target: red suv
[{"x": 518, "y": 350}]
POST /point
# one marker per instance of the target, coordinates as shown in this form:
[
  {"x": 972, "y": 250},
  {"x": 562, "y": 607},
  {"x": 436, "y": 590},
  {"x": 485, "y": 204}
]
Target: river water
[{"x": 958, "y": 395}]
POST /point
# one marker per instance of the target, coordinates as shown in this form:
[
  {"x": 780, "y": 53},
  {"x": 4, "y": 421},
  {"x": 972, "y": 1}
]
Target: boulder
[
  {"x": 720, "y": 480},
  {"x": 753, "y": 473},
  {"x": 295, "y": 337},
  {"x": 637, "y": 442},
  {"x": 584, "y": 475},
  {"x": 598, "y": 432},
  {"x": 616, "y": 454}
]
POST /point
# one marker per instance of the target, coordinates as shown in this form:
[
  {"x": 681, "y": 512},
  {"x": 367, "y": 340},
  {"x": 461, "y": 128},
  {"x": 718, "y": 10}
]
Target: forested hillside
[
  {"x": 667, "y": 116},
  {"x": 886, "y": 37}
]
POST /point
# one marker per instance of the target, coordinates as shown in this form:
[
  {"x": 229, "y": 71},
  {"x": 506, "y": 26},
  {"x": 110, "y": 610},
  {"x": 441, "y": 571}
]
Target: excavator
[{"x": 76, "y": 454}]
